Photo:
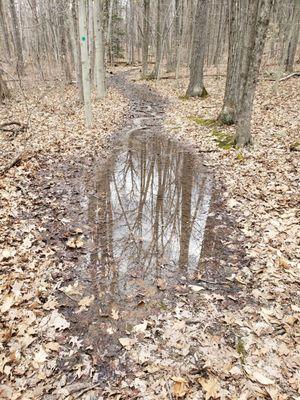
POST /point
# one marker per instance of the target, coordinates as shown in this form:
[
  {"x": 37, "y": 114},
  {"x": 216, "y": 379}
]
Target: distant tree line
[{"x": 75, "y": 39}]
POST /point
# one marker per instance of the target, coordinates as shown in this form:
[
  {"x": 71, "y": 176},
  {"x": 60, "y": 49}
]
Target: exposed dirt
[{"x": 138, "y": 223}]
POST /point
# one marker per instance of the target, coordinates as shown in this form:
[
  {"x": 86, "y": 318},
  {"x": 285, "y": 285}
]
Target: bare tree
[
  {"x": 259, "y": 17},
  {"x": 293, "y": 37},
  {"x": 99, "y": 47},
  {"x": 85, "y": 62},
  {"x": 4, "y": 28},
  {"x": 4, "y": 91},
  {"x": 146, "y": 31},
  {"x": 196, "y": 86},
  {"x": 17, "y": 37}
]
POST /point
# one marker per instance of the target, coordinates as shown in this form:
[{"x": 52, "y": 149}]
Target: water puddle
[{"x": 147, "y": 211}]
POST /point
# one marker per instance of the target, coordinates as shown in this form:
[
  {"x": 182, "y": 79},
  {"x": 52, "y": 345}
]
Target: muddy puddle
[
  {"x": 145, "y": 211},
  {"x": 147, "y": 208}
]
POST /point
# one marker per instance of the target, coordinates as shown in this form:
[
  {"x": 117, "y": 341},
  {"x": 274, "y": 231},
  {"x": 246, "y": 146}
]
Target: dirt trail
[
  {"x": 123, "y": 238},
  {"x": 138, "y": 219}
]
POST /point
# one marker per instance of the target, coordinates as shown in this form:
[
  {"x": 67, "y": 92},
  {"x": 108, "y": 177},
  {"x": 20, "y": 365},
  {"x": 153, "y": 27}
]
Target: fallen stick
[
  {"x": 87, "y": 389},
  {"x": 289, "y": 76},
  {"x": 13, "y": 162},
  {"x": 5, "y": 125}
]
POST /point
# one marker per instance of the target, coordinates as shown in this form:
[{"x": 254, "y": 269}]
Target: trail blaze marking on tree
[{"x": 83, "y": 38}]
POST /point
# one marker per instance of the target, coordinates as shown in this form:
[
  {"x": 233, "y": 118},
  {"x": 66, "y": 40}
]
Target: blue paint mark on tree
[{"x": 83, "y": 38}]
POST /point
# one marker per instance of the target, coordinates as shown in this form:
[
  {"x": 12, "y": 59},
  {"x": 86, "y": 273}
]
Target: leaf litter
[{"x": 207, "y": 345}]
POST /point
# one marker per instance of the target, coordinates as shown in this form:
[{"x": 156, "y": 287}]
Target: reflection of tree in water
[{"x": 148, "y": 213}]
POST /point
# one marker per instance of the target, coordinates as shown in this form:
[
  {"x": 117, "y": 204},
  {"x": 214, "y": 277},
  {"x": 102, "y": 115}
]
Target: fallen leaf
[
  {"x": 75, "y": 242},
  {"x": 86, "y": 301},
  {"x": 115, "y": 314},
  {"x": 127, "y": 342},
  {"x": 211, "y": 386},
  {"x": 6, "y": 392},
  {"x": 57, "y": 321},
  {"x": 259, "y": 377},
  {"x": 7, "y": 253},
  {"x": 53, "y": 346},
  {"x": 180, "y": 387},
  {"x": 8, "y": 301},
  {"x": 161, "y": 284},
  {"x": 196, "y": 288},
  {"x": 41, "y": 356},
  {"x": 140, "y": 328}
]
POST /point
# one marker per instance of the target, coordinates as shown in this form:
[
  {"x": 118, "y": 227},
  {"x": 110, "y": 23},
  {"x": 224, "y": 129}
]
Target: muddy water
[
  {"x": 143, "y": 213},
  {"x": 147, "y": 212}
]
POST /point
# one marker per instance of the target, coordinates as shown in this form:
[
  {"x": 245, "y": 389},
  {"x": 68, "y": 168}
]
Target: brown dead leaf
[
  {"x": 258, "y": 376},
  {"x": 86, "y": 301},
  {"x": 8, "y": 301},
  {"x": 180, "y": 387},
  {"x": 115, "y": 314},
  {"x": 5, "y": 392},
  {"x": 7, "y": 253},
  {"x": 211, "y": 386},
  {"x": 57, "y": 321},
  {"x": 75, "y": 242},
  {"x": 127, "y": 342},
  {"x": 161, "y": 284},
  {"x": 140, "y": 328},
  {"x": 41, "y": 356}
]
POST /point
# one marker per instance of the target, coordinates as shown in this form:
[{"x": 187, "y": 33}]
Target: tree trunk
[
  {"x": 76, "y": 47},
  {"x": 17, "y": 37},
  {"x": 294, "y": 37},
  {"x": 146, "y": 26},
  {"x": 179, "y": 33},
  {"x": 99, "y": 50},
  {"x": 109, "y": 32},
  {"x": 4, "y": 91},
  {"x": 159, "y": 42},
  {"x": 4, "y": 27},
  {"x": 237, "y": 23},
  {"x": 259, "y": 12},
  {"x": 85, "y": 62},
  {"x": 196, "y": 86},
  {"x": 65, "y": 66}
]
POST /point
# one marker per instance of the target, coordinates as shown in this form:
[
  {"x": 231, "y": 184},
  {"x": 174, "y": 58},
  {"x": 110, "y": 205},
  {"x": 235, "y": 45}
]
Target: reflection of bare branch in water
[{"x": 148, "y": 213}]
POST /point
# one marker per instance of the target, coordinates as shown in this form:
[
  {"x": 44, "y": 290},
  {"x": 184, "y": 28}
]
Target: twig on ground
[
  {"x": 289, "y": 76},
  {"x": 9, "y": 127},
  {"x": 169, "y": 390},
  {"x": 87, "y": 389},
  {"x": 13, "y": 162}
]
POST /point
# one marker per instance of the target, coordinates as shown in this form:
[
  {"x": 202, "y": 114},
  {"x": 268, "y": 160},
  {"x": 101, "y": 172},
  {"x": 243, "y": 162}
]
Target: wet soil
[{"x": 146, "y": 220}]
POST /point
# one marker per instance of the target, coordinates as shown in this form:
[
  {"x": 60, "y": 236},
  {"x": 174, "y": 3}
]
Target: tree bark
[
  {"x": 76, "y": 47},
  {"x": 146, "y": 29},
  {"x": 99, "y": 50},
  {"x": 17, "y": 37},
  {"x": 237, "y": 24},
  {"x": 159, "y": 41},
  {"x": 4, "y": 91},
  {"x": 109, "y": 32},
  {"x": 4, "y": 27},
  {"x": 294, "y": 37},
  {"x": 85, "y": 62},
  {"x": 196, "y": 86},
  {"x": 259, "y": 12}
]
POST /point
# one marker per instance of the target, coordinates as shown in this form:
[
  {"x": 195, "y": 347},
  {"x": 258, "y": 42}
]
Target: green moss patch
[
  {"x": 240, "y": 348},
  {"x": 184, "y": 98},
  {"x": 223, "y": 139},
  {"x": 203, "y": 121}
]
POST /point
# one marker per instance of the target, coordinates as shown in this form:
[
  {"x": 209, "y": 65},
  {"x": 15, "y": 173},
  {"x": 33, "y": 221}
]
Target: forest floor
[{"x": 233, "y": 336}]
